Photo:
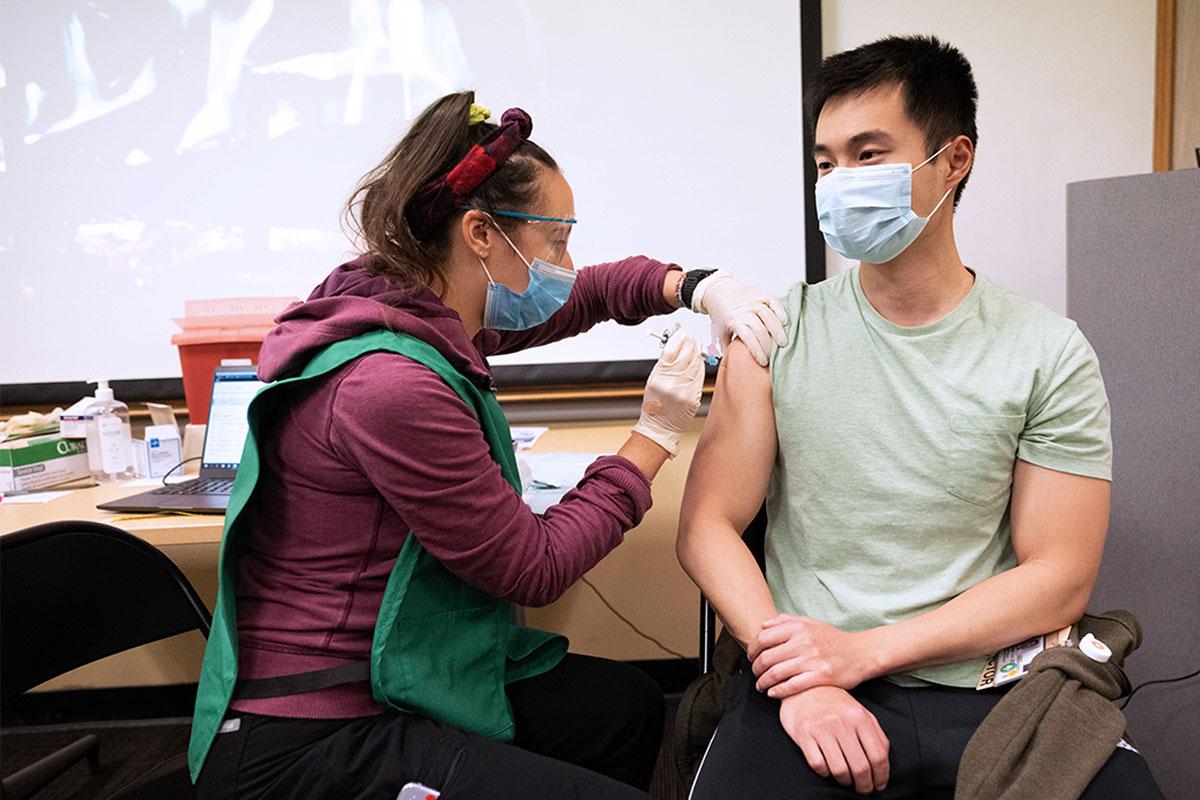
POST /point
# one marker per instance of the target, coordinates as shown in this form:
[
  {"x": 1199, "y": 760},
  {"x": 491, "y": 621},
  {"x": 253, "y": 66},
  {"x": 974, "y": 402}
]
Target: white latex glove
[
  {"x": 672, "y": 393},
  {"x": 752, "y": 315}
]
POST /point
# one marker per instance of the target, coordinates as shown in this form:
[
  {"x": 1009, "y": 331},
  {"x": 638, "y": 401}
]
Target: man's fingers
[
  {"x": 875, "y": 745},
  {"x": 812, "y": 754},
  {"x": 794, "y": 685},
  {"x": 768, "y": 658},
  {"x": 778, "y": 673},
  {"x": 754, "y": 649},
  {"x": 857, "y": 761},
  {"x": 832, "y": 751},
  {"x": 771, "y": 637}
]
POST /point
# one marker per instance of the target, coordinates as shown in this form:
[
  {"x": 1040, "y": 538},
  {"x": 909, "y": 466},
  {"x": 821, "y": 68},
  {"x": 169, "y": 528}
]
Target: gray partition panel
[{"x": 1133, "y": 284}]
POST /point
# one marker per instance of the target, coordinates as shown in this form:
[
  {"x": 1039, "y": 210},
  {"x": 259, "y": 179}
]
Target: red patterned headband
[{"x": 440, "y": 197}]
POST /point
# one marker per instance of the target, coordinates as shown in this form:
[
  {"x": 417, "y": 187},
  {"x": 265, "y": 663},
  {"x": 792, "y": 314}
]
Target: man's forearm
[
  {"x": 719, "y": 562},
  {"x": 1028, "y": 600},
  {"x": 1058, "y": 526}
]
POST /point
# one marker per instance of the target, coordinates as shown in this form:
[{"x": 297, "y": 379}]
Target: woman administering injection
[{"x": 361, "y": 641}]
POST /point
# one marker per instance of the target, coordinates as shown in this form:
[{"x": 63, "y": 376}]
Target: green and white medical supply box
[{"x": 41, "y": 461}]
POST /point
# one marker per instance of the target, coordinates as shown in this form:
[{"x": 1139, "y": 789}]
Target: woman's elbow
[{"x": 536, "y": 590}]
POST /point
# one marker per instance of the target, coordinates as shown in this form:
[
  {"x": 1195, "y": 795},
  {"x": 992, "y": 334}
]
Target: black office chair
[{"x": 72, "y": 593}]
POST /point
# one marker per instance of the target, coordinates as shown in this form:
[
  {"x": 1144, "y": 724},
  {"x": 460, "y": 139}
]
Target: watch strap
[{"x": 687, "y": 286}]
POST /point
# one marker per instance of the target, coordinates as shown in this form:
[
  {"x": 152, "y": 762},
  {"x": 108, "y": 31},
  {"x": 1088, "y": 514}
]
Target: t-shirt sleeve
[
  {"x": 794, "y": 304},
  {"x": 1067, "y": 426}
]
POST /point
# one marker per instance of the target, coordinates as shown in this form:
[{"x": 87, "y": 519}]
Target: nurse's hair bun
[
  {"x": 441, "y": 197},
  {"x": 402, "y": 211}
]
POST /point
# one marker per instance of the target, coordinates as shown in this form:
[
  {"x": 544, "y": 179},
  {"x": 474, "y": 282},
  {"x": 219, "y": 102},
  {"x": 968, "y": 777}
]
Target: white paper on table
[
  {"x": 31, "y": 497},
  {"x": 554, "y": 474},
  {"x": 524, "y": 438}
]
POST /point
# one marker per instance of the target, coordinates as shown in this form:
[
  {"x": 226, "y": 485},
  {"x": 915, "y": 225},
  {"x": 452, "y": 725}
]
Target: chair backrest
[{"x": 75, "y": 592}]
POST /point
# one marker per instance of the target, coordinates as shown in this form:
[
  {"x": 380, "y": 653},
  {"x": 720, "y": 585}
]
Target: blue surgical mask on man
[
  {"x": 865, "y": 213},
  {"x": 549, "y": 287}
]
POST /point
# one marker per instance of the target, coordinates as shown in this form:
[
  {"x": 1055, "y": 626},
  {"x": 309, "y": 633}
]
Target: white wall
[{"x": 1066, "y": 93}]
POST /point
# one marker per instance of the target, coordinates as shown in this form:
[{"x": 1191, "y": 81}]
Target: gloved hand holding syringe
[
  {"x": 672, "y": 391},
  {"x": 712, "y": 354}
]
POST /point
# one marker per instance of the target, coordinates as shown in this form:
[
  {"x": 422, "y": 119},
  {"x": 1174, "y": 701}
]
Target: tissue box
[
  {"x": 158, "y": 451},
  {"x": 73, "y": 421},
  {"x": 41, "y": 461}
]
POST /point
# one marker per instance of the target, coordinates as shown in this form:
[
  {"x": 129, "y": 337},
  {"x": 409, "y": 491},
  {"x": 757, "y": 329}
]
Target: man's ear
[
  {"x": 478, "y": 233},
  {"x": 960, "y": 155}
]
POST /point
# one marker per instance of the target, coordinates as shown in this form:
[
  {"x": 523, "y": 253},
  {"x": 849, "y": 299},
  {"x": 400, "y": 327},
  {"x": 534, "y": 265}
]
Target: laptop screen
[{"x": 227, "y": 424}]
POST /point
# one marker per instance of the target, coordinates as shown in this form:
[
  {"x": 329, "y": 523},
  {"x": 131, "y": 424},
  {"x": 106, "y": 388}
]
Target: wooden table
[
  {"x": 173, "y": 529},
  {"x": 642, "y": 577},
  {"x": 157, "y": 529}
]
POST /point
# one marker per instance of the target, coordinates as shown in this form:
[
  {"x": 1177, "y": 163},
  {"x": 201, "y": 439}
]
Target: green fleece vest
[{"x": 442, "y": 649}]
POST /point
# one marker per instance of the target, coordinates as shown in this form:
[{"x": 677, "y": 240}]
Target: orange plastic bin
[{"x": 218, "y": 330}]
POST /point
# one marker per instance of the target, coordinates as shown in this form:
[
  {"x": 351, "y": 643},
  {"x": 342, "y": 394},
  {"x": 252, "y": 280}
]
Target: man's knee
[{"x": 1125, "y": 774}]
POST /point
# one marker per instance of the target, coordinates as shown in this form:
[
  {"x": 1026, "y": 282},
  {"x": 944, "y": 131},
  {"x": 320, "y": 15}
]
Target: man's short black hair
[{"x": 935, "y": 79}]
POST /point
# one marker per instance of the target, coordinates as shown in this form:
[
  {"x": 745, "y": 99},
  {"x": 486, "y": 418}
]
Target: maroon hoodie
[{"x": 381, "y": 447}]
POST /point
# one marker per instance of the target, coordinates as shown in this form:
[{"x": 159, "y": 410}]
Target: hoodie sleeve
[
  {"x": 424, "y": 451},
  {"x": 627, "y": 291}
]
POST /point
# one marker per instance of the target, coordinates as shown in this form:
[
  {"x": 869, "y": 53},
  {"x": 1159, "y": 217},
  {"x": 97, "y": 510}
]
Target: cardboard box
[
  {"x": 41, "y": 461},
  {"x": 158, "y": 452}
]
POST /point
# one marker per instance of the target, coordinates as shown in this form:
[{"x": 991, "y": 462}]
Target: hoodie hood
[{"x": 353, "y": 301}]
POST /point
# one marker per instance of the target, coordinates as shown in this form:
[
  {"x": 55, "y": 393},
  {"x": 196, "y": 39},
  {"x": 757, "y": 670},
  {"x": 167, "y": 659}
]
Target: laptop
[{"x": 224, "y": 437}]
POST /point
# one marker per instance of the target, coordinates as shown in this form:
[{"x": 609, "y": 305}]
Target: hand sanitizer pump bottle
[{"x": 109, "y": 439}]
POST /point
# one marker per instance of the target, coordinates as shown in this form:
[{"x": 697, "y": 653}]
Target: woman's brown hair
[{"x": 438, "y": 139}]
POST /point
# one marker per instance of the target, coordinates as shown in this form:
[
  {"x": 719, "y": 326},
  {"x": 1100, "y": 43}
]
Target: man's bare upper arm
[
  {"x": 1061, "y": 520},
  {"x": 735, "y": 455}
]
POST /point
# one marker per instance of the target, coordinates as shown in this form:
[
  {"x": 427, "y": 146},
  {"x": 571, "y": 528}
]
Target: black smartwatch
[{"x": 687, "y": 286}]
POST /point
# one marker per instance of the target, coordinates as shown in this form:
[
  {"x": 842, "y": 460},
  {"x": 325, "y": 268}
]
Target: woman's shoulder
[{"x": 392, "y": 385}]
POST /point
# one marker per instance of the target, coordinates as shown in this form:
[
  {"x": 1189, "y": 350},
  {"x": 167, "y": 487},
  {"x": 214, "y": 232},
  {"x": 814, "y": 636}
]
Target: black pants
[
  {"x": 588, "y": 728},
  {"x": 928, "y": 728}
]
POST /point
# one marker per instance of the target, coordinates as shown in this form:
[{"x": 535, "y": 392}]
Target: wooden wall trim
[{"x": 1164, "y": 84}]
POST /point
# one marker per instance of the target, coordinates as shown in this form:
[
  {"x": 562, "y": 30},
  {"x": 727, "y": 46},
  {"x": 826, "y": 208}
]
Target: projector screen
[{"x": 152, "y": 153}]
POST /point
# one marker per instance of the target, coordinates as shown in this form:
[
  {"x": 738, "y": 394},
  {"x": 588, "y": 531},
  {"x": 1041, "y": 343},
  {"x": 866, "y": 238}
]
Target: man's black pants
[
  {"x": 589, "y": 728},
  {"x": 928, "y": 728}
]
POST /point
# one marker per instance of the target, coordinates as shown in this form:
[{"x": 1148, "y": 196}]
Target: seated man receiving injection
[{"x": 935, "y": 457}]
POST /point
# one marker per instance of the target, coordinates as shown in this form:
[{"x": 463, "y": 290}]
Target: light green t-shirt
[{"x": 890, "y": 492}]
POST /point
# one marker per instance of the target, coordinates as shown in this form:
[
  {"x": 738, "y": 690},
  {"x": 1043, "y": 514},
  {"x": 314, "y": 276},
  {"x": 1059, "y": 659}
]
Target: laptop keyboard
[{"x": 199, "y": 486}]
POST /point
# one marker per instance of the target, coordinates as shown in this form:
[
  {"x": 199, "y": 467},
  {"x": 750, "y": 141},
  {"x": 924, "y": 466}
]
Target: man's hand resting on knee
[{"x": 838, "y": 736}]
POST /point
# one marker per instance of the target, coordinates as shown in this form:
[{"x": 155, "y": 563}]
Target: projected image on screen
[{"x": 154, "y": 152}]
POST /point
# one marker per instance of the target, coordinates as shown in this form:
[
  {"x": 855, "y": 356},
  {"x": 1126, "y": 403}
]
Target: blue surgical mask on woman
[
  {"x": 865, "y": 213},
  {"x": 549, "y": 287}
]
